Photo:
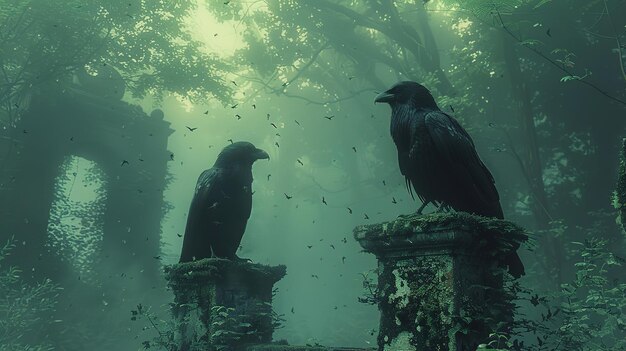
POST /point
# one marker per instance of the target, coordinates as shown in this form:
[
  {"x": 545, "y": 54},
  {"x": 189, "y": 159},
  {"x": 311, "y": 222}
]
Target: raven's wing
[
  {"x": 403, "y": 130},
  {"x": 459, "y": 159},
  {"x": 472, "y": 178},
  {"x": 203, "y": 217},
  {"x": 235, "y": 213}
]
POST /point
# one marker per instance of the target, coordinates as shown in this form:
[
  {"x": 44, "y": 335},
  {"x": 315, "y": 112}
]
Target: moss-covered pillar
[
  {"x": 440, "y": 281},
  {"x": 221, "y": 304}
]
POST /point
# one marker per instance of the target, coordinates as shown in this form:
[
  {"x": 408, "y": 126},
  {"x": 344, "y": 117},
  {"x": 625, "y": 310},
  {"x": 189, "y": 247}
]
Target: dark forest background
[{"x": 94, "y": 190}]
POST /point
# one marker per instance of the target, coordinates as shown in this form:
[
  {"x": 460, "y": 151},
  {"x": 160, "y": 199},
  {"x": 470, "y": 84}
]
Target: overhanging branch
[{"x": 554, "y": 63}]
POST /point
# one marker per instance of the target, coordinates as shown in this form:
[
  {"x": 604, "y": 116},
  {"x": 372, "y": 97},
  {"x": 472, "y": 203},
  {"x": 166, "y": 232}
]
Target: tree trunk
[
  {"x": 530, "y": 153},
  {"x": 552, "y": 246}
]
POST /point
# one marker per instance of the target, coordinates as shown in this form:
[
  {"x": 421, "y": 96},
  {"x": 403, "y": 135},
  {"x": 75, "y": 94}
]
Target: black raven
[
  {"x": 438, "y": 159},
  {"x": 436, "y": 155},
  {"x": 221, "y": 204}
]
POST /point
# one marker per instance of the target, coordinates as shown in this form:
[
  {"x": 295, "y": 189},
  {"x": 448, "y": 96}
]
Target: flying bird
[
  {"x": 191, "y": 129},
  {"x": 221, "y": 204},
  {"x": 438, "y": 158}
]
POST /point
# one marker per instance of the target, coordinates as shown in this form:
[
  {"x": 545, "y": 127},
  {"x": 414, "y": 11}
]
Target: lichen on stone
[
  {"x": 401, "y": 342},
  {"x": 400, "y": 297}
]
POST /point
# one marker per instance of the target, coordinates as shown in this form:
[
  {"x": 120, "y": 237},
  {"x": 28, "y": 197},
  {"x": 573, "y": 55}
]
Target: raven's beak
[
  {"x": 385, "y": 96},
  {"x": 261, "y": 155}
]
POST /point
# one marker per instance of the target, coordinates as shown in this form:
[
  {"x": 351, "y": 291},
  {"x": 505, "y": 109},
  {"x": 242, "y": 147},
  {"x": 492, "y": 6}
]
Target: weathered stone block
[
  {"x": 440, "y": 281},
  {"x": 222, "y": 304}
]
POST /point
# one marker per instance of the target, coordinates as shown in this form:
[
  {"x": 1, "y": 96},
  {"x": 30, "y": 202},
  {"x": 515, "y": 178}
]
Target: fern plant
[{"x": 23, "y": 308}]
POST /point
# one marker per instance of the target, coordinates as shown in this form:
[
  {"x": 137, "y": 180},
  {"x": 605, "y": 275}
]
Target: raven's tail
[{"x": 516, "y": 267}]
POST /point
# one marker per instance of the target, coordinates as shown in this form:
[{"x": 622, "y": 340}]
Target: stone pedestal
[
  {"x": 221, "y": 304},
  {"x": 440, "y": 281}
]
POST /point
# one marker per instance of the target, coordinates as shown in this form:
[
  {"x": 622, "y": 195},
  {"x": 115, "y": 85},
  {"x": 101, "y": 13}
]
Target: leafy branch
[{"x": 553, "y": 62}]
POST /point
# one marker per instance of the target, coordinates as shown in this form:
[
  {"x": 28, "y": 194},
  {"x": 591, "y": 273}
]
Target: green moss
[
  {"x": 419, "y": 302},
  {"x": 432, "y": 222},
  {"x": 423, "y": 230},
  {"x": 214, "y": 269}
]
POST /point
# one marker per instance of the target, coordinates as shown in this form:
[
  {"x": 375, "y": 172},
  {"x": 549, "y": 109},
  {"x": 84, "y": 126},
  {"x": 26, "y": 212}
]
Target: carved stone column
[
  {"x": 440, "y": 279},
  {"x": 221, "y": 304}
]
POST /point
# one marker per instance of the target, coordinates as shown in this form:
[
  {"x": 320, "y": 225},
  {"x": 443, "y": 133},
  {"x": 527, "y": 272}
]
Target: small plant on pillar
[
  {"x": 371, "y": 294},
  {"x": 228, "y": 328},
  {"x": 165, "y": 336}
]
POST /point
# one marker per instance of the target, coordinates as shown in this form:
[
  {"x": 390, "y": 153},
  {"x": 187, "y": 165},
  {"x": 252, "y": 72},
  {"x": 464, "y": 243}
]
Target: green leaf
[{"x": 568, "y": 78}]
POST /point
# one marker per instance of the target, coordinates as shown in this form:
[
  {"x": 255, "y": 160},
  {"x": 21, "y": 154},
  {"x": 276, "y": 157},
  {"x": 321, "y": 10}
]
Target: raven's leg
[
  {"x": 239, "y": 259},
  {"x": 424, "y": 204}
]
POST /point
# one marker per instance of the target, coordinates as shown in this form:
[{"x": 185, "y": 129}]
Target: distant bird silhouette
[
  {"x": 438, "y": 159},
  {"x": 221, "y": 204}
]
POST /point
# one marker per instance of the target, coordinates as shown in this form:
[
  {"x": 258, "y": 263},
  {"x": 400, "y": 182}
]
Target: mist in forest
[{"x": 110, "y": 110}]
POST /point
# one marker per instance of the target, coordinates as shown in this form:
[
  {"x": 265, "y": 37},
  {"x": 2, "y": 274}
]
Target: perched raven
[
  {"x": 438, "y": 158},
  {"x": 221, "y": 204}
]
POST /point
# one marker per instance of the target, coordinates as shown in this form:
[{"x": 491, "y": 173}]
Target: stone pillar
[
  {"x": 440, "y": 281},
  {"x": 221, "y": 304}
]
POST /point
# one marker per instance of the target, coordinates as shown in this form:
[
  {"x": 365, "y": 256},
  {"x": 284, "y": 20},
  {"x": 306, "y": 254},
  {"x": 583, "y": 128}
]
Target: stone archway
[{"x": 87, "y": 119}]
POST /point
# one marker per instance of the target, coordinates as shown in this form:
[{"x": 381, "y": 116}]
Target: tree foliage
[
  {"x": 25, "y": 310},
  {"x": 147, "y": 41}
]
